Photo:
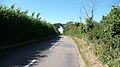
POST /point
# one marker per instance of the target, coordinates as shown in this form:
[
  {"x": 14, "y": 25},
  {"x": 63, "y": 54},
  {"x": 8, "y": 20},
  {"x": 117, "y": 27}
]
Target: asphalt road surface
[{"x": 56, "y": 52}]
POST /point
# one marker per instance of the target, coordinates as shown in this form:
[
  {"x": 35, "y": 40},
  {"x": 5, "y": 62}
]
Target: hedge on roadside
[
  {"x": 16, "y": 26},
  {"x": 104, "y": 34}
]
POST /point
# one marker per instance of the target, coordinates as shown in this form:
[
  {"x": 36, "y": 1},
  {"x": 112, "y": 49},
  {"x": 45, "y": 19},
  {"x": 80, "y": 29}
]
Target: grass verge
[
  {"x": 89, "y": 58},
  {"x": 22, "y": 44}
]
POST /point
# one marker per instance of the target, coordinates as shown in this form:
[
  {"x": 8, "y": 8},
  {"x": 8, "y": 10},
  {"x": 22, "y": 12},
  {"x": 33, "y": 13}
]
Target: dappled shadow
[{"x": 22, "y": 56}]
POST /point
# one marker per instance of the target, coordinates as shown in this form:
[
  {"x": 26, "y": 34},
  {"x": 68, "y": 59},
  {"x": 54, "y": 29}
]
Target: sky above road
[{"x": 61, "y": 11}]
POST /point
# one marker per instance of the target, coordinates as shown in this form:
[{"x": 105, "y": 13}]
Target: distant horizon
[{"x": 61, "y": 11}]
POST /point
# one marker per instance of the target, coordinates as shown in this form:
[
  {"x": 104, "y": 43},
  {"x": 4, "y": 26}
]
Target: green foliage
[
  {"x": 16, "y": 26},
  {"x": 104, "y": 34}
]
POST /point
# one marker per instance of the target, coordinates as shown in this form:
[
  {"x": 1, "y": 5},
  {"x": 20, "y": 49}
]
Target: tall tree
[{"x": 89, "y": 9}]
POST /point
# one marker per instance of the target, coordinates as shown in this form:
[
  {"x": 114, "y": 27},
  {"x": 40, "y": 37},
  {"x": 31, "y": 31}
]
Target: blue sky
[{"x": 61, "y": 11}]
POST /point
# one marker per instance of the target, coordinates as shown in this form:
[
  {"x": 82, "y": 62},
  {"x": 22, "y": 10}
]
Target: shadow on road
[{"x": 22, "y": 56}]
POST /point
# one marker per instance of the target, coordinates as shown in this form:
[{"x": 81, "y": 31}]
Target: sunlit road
[{"x": 56, "y": 52}]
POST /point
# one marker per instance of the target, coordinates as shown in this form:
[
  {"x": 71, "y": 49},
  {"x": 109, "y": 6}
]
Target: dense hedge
[
  {"x": 104, "y": 34},
  {"x": 16, "y": 26}
]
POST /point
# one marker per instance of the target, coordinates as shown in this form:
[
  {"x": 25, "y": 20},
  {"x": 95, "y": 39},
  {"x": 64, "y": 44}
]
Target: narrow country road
[{"x": 56, "y": 52}]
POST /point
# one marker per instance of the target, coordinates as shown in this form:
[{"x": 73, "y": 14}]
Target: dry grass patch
[{"x": 88, "y": 56}]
